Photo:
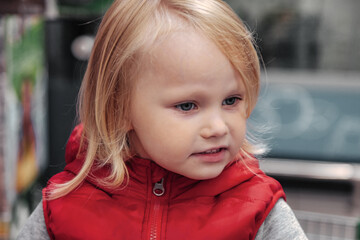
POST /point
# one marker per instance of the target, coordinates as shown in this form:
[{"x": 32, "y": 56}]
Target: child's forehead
[
  {"x": 187, "y": 60},
  {"x": 160, "y": 35},
  {"x": 186, "y": 38},
  {"x": 182, "y": 43},
  {"x": 186, "y": 49}
]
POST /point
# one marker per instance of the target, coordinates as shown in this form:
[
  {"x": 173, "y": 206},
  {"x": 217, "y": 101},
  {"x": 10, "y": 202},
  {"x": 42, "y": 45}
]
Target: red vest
[{"x": 158, "y": 204}]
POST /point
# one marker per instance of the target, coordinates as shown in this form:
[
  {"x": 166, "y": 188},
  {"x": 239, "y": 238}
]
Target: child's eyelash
[
  {"x": 232, "y": 100},
  {"x": 189, "y": 106},
  {"x": 186, "y": 106}
]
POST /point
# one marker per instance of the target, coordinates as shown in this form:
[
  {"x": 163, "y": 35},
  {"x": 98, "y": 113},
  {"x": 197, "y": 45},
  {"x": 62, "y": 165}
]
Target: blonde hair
[{"x": 128, "y": 28}]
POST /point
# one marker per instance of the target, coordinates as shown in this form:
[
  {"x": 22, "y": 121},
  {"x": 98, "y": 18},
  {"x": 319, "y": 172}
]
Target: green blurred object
[
  {"x": 83, "y": 8},
  {"x": 25, "y": 54},
  {"x": 358, "y": 231}
]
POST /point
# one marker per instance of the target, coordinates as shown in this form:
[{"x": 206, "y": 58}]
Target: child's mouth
[
  {"x": 211, "y": 151},
  {"x": 213, "y": 155}
]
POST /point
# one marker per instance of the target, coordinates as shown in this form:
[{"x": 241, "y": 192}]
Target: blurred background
[{"x": 309, "y": 104}]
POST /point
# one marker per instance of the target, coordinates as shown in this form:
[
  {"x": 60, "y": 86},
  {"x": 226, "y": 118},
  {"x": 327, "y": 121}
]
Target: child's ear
[{"x": 130, "y": 127}]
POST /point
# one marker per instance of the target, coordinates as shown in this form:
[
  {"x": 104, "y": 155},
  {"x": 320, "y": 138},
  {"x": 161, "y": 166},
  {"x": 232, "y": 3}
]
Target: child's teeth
[{"x": 213, "y": 151}]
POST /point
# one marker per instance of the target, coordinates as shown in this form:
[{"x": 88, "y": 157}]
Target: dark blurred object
[
  {"x": 289, "y": 39},
  {"x": 311, "y": 35},
  {"x": 65, "y": 75},
  {"x": 22, "y": 6}
]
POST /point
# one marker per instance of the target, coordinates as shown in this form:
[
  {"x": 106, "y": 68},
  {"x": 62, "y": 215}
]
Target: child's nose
[{"x": 214, "y": 126}]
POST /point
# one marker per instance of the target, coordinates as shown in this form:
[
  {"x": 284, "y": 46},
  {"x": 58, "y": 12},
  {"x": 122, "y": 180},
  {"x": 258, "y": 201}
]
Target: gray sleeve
[
  {"x": 281, "y": 223},
  {"x": 34, "y": 228}
]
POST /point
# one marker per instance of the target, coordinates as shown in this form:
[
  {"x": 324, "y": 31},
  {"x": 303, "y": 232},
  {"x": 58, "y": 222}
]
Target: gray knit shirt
[{"x": 281, "y": 223}]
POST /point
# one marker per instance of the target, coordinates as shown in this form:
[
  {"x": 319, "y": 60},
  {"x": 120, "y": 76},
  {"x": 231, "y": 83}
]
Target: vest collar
[{"x": 145, "y": 171}]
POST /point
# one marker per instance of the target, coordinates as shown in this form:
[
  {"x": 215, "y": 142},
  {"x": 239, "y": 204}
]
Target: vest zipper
[
  {"x": 159, "y": 189},
  {"x": 155, "y": 219}
]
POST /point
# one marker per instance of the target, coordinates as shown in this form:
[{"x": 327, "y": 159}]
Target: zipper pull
[{"x": 159, "y": 189}]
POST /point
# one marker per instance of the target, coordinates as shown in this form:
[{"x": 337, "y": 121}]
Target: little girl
[{"x": 161, "y": 151}]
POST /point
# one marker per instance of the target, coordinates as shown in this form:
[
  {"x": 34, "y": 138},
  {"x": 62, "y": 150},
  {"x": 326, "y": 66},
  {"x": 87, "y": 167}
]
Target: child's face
[{"x": 188, "y": 113}]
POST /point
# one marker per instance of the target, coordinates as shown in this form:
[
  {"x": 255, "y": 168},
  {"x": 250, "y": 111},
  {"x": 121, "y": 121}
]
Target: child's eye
[
  {"x": 231, "y": 100},
  {"x": 186, "y": 106}
]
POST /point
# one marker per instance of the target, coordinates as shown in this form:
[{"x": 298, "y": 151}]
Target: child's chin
[{"x": 205, "y": 176}]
